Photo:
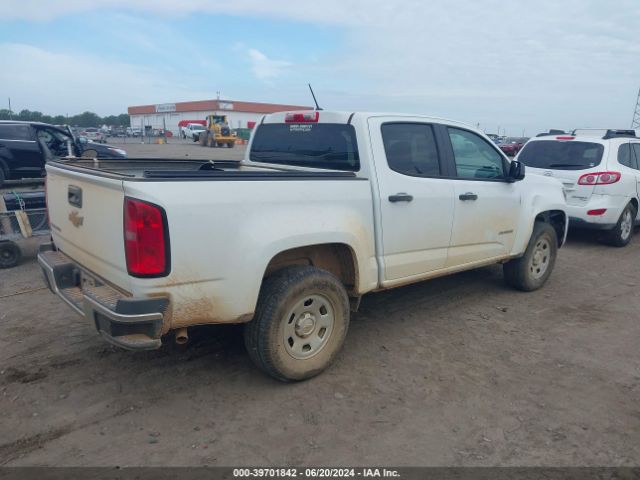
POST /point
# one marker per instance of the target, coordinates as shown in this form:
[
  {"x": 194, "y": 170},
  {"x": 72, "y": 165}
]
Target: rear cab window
[
  {"x": 15, "y": 132},
  {"x": 562, "y": 154},
  {"x": 314, "y": 145}
]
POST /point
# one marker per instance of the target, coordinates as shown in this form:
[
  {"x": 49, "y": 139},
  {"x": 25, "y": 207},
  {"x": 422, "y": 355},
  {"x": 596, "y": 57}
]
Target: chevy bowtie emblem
[{"x": 76, "y": 219}]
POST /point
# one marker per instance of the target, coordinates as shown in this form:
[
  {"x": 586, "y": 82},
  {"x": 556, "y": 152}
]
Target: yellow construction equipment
[{"x": 218, "y": 133}]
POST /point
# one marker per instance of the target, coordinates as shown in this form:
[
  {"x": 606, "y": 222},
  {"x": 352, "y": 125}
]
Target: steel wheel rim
[
  {"x": 540, "y": 258},
  {"x": 308, "y": 326},
  {"x": 626, "y": 225}
]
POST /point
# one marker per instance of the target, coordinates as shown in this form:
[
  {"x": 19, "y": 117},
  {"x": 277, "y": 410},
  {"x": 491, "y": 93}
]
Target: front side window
[
  {"x": 411, "y": 149},
  {"x": 474, "y": 156}
]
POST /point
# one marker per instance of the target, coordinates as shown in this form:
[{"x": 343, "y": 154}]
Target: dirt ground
[
  {"x": 456, "y": 371},
  {"x": 176, "y": 148}
]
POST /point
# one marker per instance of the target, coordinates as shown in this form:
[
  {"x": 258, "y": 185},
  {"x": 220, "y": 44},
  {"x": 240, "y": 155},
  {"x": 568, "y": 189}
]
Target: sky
[{"x": 522, "y": 67}]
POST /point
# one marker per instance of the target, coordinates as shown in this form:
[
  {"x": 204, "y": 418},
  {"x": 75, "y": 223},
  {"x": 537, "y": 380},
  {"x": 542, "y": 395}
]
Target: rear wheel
[
  {"x": 231, "y": 144},
  {"x": 210, "y": 141},
  {"x": 202, "y": 139},
  {"x": 621, "y": 234},
  {"x": 532, "y": 270},
  {"x": 9, "y": 254},
  {"x": 300, "y": 324}
]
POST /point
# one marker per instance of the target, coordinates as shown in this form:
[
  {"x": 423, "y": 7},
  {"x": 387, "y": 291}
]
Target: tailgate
[
  {"x": 86, "y": 215},
  {"x": 577, "y": 195}
]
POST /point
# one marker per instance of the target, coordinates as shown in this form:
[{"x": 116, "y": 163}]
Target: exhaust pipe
[{"x": 182, "y": 336}]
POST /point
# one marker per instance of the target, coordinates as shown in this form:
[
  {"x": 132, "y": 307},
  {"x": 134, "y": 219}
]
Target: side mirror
[{"x": 516, "y": 171}]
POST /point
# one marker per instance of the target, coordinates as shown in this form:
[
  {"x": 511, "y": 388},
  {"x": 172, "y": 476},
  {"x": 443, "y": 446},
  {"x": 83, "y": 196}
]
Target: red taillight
[
  {"x": 565, "y": 138},
  {"x": 302, "y": 117},
  {"x": 596, "y": 212},
  {"x": 145, "y": 239},
  {"x": 599, "y": 178}
]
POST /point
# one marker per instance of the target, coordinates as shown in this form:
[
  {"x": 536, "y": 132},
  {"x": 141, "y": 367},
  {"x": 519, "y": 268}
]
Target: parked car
[
  {"x": 601, "y": 176},
  {"x": 25, "y": 147},
  {"x": 95, "y": 135},
  {"x": 325, "y": 207},
  {"x": 193, "y": 131},
  {"x": 512, "y": 145}
]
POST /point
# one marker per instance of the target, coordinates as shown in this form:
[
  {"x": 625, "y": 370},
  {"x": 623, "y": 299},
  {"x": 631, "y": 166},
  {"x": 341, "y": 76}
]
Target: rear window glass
[
  {"x": 316, "y": 145},
  {"x": 15, "y": 132},
  {"x": 559, "y": 155}
]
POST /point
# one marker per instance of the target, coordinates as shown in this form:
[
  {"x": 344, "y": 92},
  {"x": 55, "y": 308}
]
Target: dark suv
[{"x": 25, "y": 147}]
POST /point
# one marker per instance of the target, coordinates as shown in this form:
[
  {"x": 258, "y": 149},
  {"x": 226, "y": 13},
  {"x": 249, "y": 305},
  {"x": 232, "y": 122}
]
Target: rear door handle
[
  {"x": 468, "y": 196},
  {"x": 400, "y": 197}
]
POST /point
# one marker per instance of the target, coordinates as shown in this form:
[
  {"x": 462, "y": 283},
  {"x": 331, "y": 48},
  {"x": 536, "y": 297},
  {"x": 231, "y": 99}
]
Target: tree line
[{"x": 85, "y": 119}]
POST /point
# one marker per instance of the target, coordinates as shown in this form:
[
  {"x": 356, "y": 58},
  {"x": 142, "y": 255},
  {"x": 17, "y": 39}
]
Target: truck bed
[{"x": 162, "y": 169}]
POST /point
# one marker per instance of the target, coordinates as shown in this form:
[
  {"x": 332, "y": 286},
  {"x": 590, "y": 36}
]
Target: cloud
[
  {"x": 60, "y": 83},
  {"x": 518, "y": 64},
  {"x": 265, "y": 68}
]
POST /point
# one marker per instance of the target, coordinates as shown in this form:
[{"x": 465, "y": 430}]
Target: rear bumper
[
  {"x": 613, "y": 205},
  {"x": 130, "y": 323}
]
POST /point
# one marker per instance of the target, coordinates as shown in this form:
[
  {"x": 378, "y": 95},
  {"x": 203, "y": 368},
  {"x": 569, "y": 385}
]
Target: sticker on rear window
[{"x": 300, "y": 128}]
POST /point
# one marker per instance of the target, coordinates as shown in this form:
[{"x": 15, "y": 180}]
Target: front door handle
[
  {"x": 468, "y": 196},
  {"x": 400, "y": 197}
]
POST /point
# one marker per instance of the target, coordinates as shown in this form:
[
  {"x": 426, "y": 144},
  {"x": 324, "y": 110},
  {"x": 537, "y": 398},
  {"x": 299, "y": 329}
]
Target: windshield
[
  {"x": 561, "y": 155},
  {"x": 316, "y": 145}
]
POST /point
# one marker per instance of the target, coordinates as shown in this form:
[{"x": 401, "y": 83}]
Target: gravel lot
[
  {"x": 177, "y": 148},
  {"x": 455, "y": 371}
]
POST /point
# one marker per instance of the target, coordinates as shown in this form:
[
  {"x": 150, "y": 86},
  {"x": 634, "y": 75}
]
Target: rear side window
[
  {"x": 626, "y": 156},
  {"x": 561, "y": 155},
  {"x": 411, "y": 149},
  {"x": 636, "y": 151},
  {"x": 15, "y": 132},
  {"x": 316, "y": 145}
]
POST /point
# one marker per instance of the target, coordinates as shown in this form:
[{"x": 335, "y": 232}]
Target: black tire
[
  {"x": 202, "y": 139},
  {"x": 231, "y": 144},
  {"x": 2, "y": 177},
  {"x": 10, "y": 255},
  {"x": 279, "y": 330},
  {"x": 531, "y": 271},
  {"x": 621, "y": 234},
  {"x": 211, "y": 143}
]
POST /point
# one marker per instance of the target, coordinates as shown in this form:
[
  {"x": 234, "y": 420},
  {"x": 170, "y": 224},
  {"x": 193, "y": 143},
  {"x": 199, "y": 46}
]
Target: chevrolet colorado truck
[{"x": 325, "y": 207}]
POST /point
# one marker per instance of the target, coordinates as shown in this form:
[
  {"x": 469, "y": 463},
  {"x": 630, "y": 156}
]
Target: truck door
[
  {"x": 486, "y": 205},
  {"x": 416, "y": 203}
]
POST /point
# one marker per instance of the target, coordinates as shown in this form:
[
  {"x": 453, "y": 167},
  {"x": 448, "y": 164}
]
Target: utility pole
[
  {"x": 10, "y": 112},
  {"x": 635, "y": 123}
]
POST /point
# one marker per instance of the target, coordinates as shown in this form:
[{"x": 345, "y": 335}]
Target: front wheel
[
  {"x": 300, "y": 324},
  {"x": 532, "y": 270},
  {"x": 621, "y": 234}
]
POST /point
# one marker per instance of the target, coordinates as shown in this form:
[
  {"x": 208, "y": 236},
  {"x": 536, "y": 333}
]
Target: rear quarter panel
[{"x": 224, "y": 233}]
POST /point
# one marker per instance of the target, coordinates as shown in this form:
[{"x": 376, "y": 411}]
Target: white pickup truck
[{"x": 326, "y": 207}]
